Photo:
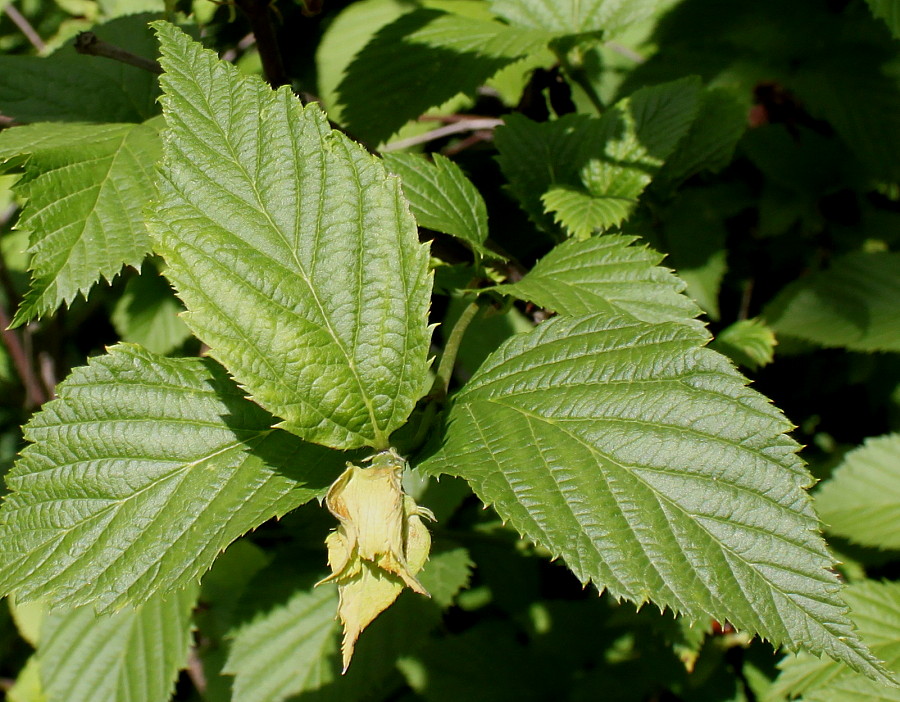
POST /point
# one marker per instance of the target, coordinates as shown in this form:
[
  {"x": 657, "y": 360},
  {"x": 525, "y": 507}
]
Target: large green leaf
[
  {"x": 853, "y": 304},
  {"x": 442, "y": 198},
  {"x": 861, "y": 500},
  {"x": 131, "y": 655},
  {"x": 71, "y": 87},
  {"x": 86, "y": 187},
  {"x": 421, "y": 60},
  {"x": 575, "y": 16},
  {"x": 875, "y": 609},
  {"x": 644, "y": 461},
  {"x": 293, "y": 250},
  {"x": 588, "y": 172},
  {"x": 141, "y": 472},
  {"x": 605, "y": 274}
]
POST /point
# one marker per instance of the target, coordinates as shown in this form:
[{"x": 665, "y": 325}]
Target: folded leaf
[
  {"x": 644, "y": 461},
  {"x": 293, "y": 250},
  {"x": 141, "y": 472}
]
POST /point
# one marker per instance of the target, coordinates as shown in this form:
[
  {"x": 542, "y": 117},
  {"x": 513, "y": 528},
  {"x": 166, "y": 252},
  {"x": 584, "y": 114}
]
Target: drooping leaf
[
  {"x": 421, "y": 60},
  {"x": 442, "y": 198},
  {"x": 147, "y": 314},
  {"x": 71, "y": 87},
  {"x": 875, "y": 609},
  {"x": 291, "y": 642},
  {"x": 141, "y": 472},
  {"x": 861, "y": 500},
  {"x": 853, "y": 304},
  {"x": 587, "y": 174},
  {"x": 565, "y": 17},
  {"x": 131, "y": 655},
  {"x": 86, "y": 187},
  {"x": 605, "y": 274},
  {"x": 293, "y": 250},
  {"x": 643, "y": 460},
  {"x": 747, "y": 342}
]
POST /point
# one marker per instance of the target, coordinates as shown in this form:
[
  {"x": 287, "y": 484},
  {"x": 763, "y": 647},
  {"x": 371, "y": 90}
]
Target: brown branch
[
  {"x": 25, "y": 27},
  {"x": 260, "y": 18},
  {"x": 92, "y": 45},
  {"x": 35, "y": 395}
]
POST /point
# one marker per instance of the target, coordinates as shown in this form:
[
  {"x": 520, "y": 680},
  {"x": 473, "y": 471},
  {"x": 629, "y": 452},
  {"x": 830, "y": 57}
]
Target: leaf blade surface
[
  {"x": 645, "y": 462},
  {"x": 294, "y": 252}
]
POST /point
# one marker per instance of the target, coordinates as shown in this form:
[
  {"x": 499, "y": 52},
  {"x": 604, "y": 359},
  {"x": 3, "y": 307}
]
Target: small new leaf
[{"x": 380, "y": 545}]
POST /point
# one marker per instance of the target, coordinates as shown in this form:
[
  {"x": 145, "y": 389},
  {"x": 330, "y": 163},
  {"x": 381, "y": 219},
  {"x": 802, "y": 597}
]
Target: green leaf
[
  {"x": 293, "y": 250},
  {"x": 86, "y": 187},
  {"x": 344, "y": 37},
  {"x": 747, "y": 342},
  {"x": 565, "y": 17},
  {"x": 131, "y": 655},
  {"x": 421, "y": 60},
  {"x": 582, "y": 214},
  {"x": 709, "y": 144},
  {"x": 889, "y": 11},
  {"x": 27, "y": 687},
  {"x": 590, "y": 172},
  {"x": 141, "y": 472},
  {"x": 861, "y": 500},
  {"x": 442, "y": 198},
  {"x": 147, "y": 314},
  {"x": 289, "y": 644},
  {"x": 644, "y": 461},
  {"x": 853, "y": 304},
  {"x": 875, "y": 609},
  {"x": 605, "y": 274},
  {"x": 72, "y": 87}
]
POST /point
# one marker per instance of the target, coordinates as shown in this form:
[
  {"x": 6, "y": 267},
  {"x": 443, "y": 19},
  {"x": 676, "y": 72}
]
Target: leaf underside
[
  {"x": 293, "y": 251},
  {"x": 141, "y": 472},
  {"x": 644, "y": 461},
  {"x": 861, "y": 499},
  {"x": 132, "y": 655}
]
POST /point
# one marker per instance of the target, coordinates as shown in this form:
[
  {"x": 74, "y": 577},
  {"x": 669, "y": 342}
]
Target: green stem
[
  {"x": 451, "y": 348},
  {"x": 441, "y": 385}
]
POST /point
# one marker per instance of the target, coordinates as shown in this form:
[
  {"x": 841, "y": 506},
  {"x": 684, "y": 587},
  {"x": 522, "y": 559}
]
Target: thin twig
[
  {"x": 446, "y": 130},
  {"x": 25, "y": 27},
  {"x": 34, "y": 391},
  {"x": 195, "y": 670},
  {"x": 92, "y": 45},
  {"x": 448, "y": 358},
  {"x": 623, "y": 50},
  {"x": 245, "y": 43}
]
